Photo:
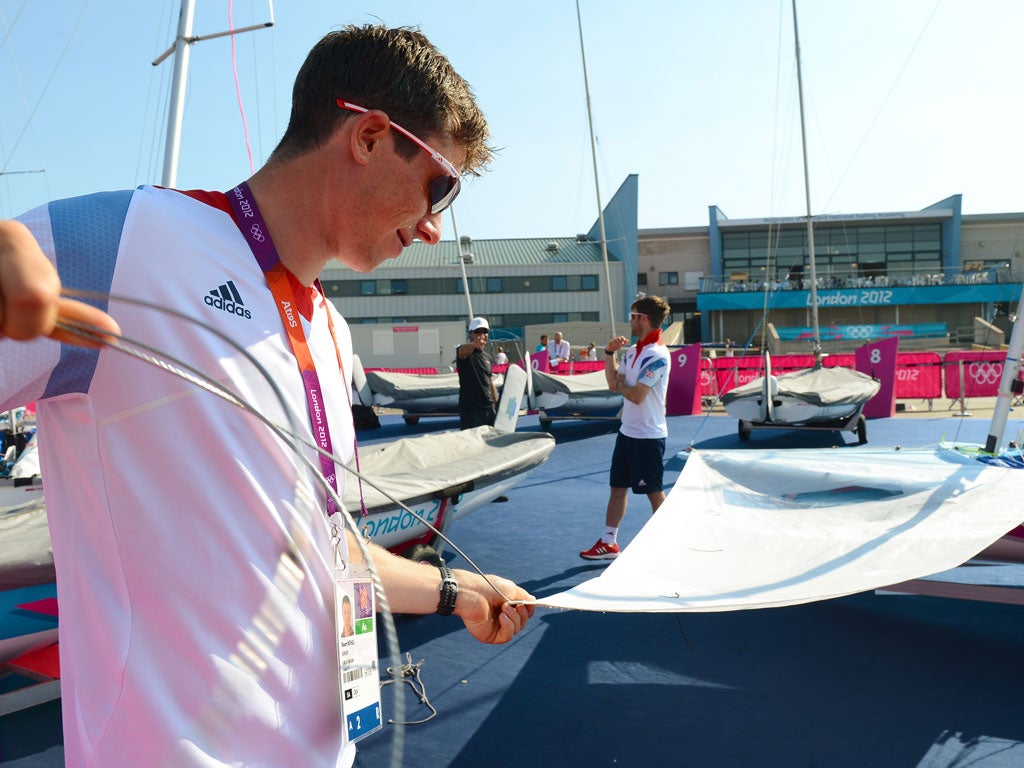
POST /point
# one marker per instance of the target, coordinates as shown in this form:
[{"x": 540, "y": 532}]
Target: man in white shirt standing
[
  {"x": 559, "y": 350},
  {"x": 637, "y": 461}
]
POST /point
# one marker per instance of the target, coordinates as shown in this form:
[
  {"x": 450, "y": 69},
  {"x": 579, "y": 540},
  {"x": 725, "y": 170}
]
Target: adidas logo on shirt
[{"x": 227, "y": 298}]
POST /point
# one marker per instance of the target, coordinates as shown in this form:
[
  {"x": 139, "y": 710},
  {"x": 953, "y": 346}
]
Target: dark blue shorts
[
  {"x": 638, "y": 464},
  {"x": 476, "y": 417}
]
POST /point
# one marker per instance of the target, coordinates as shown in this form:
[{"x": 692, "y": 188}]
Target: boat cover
[
  {"x": 763, "y": 528},
  {"x": 26, "y": 557},
  {"x": 817, "y": 386},
  {"x": 25, "y": 554},
  {"x": 415, "y": 468},
  {"x": 583, "y": 384},
  {"x": 403, "y": 387}
]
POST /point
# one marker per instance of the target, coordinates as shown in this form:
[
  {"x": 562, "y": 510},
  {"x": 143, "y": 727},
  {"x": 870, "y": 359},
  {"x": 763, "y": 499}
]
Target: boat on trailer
[
  {"x": 815, "y": 398},
  {"x": 580, "y": 396},
  {"x": 415, "y": 394}
]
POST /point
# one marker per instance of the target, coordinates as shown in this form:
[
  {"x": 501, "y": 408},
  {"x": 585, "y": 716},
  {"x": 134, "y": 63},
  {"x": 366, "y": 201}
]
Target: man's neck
[{"x": 280, "y": 197}]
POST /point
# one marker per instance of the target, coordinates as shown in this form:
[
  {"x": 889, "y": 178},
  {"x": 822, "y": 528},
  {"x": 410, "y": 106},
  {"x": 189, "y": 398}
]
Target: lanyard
[{"x": 254, "y": 229}]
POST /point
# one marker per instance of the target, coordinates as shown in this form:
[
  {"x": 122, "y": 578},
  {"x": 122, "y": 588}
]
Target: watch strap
[{"x": 449, "y": 590}]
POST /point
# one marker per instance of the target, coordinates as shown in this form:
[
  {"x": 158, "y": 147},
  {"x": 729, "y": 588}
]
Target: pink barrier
[
  {"x": 708, "y": 382},
  {"x": 734, "y": 371},
  {"x": 575, "y": 367},
  {"x": 982, "y": 372},
  {"x": 918, "y": 375},
  {"x": 429, "y": 371},
  {"x": 587, "y": 366}
]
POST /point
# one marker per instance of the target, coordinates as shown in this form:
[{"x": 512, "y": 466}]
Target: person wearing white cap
[{"x": 478, "y": 399}]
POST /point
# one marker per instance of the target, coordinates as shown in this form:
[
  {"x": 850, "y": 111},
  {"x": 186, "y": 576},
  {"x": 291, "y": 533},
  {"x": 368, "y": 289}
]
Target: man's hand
[
  {"x": 414, "y": 588},
  {"x": 486, "y": 614},
  {"x": 616, "y": 343},
  {"x": 30, "y": 300}
]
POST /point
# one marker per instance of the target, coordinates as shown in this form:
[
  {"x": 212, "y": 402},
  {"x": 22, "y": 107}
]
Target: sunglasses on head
[
  {"x": 445, "y": 188},
  {"x": 481, "y": 330}
]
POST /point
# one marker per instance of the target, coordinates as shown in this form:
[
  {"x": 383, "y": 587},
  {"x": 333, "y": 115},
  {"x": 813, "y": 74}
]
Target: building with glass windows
[
  {"x": 876, "y": 275},
  {"x": 922, "y": 274}
]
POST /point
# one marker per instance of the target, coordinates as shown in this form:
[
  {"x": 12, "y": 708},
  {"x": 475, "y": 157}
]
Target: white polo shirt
[
  {"x": 193, "y": 557},
  {"x": 650, "y": 367}
]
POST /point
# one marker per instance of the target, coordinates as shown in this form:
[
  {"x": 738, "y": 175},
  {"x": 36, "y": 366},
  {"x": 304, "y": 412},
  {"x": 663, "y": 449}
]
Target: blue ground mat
[{"x": 873, "y": 680}]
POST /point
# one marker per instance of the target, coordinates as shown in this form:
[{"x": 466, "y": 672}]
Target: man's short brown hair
[
  {"x": 655, "y": 307},
  {"x": 396, "y": 70}
]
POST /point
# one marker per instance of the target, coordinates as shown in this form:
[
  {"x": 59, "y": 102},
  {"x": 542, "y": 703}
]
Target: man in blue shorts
[{"x": 640, "y": 444}]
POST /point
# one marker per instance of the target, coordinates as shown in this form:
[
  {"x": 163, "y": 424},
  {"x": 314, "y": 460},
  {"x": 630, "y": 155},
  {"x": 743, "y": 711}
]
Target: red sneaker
[{"x": 601, "y": 551}]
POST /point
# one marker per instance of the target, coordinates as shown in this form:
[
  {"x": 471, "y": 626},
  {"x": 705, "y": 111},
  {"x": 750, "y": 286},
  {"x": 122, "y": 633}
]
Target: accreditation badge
[{"x": 357, "y": 653}]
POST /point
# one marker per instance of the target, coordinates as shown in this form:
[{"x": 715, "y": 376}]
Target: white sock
[{"x": 610, "y": 535}]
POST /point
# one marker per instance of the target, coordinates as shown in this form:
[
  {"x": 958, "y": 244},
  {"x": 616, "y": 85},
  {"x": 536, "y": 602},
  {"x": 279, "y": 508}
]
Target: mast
[
  {"x": 176, "y": 111},
  {"x": 182, "y": 50},
  {"x": 807, "y": 196},
  {"x": 462, "y": 263},
  {"x": 597, "y": 184},
  {"x": 1010, "y": 369}
]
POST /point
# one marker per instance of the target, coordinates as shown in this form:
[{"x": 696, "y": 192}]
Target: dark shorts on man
[
  {"x": 476, "y": 417},
  {"x": 638, "y": 464}
]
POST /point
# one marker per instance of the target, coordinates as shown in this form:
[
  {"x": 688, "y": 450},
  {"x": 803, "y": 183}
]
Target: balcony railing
[{"x": 838, "y": 280}]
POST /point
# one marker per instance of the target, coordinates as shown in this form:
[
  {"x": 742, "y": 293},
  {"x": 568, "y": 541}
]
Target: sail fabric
[{"x": 763, "y": 528}]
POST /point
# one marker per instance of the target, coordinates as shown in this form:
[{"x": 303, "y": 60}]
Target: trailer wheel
[
  {"x": 862, "y": 430},
  {"x": 545, "y": 424},
  {"x": 410, "y": 420},
  {"x": 424, "y": 553},
  {"x": 744, "y": 431}
]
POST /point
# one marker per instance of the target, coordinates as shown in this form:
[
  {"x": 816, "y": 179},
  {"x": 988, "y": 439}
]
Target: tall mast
[
  {"x": 807, "y": 196},
  {"x": 176, "y": 111},
  {"x": 1011, "y": 367},
  {"x": 597, "y": 184},
  {"x": 462, "y": 263},
  {"x": 181, "y": 50}
]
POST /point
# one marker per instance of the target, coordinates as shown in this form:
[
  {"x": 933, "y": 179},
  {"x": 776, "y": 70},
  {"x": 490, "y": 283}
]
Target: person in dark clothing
[{"x": 478, "y": 399}]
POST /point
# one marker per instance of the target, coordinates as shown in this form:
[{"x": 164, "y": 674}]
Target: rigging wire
[
  {"x": 881, "y": 106},
  {"x": 9, "y": 29},
  {"x": 238, "y": 86},
  {"x": 153, "y": 135},
  {"x": 49, "y": 80}
]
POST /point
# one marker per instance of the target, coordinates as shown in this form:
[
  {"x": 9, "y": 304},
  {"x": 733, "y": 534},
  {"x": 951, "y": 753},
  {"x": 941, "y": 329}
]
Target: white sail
[{"x": 758, "y": 529}]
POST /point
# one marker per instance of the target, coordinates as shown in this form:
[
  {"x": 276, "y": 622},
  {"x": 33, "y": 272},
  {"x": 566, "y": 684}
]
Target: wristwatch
[
  {"x": 610, "y": 354},
  {"x": 449, "y": 589}
]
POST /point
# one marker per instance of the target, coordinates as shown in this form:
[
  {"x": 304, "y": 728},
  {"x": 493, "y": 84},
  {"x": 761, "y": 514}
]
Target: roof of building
[{"x": 510, "y": 252}]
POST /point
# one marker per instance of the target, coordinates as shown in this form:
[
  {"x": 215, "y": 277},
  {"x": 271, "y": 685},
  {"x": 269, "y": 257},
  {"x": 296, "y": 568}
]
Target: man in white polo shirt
[{"x": 637, "y": 461}]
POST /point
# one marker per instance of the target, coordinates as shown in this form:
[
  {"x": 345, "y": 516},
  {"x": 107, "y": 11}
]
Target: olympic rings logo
[
  {"x": 985, "y": 373},
  {"x": 858, "y": 331},
  {"x": 257, "y": 233}
]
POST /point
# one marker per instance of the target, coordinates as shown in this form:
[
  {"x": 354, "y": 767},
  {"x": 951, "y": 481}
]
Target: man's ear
[{"x": 369, "y": 132}]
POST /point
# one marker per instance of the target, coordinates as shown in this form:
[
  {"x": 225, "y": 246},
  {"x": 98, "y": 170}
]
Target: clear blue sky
[{"x": 908, "y": 102}]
